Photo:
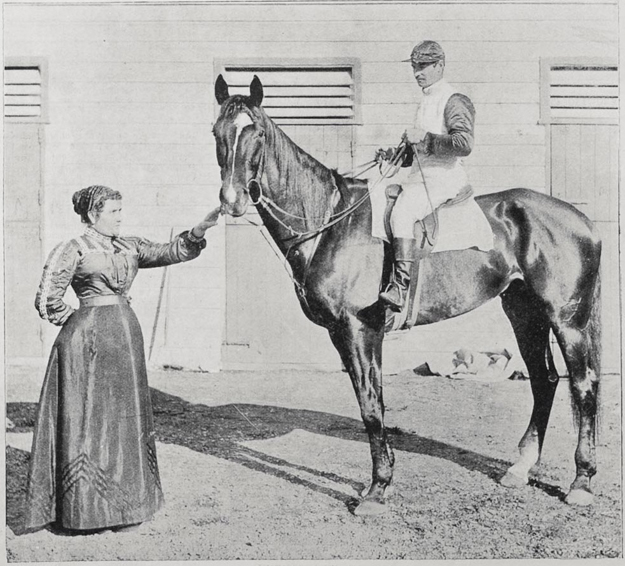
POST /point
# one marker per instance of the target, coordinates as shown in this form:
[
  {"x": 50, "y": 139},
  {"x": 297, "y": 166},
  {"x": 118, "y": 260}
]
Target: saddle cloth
[
  {"x": 463, "y": 226},
  {"x": 460, "y": 226}
]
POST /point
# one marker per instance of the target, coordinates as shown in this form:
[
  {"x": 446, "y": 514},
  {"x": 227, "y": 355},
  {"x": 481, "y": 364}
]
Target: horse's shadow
[{"x": 220, "y": 431}]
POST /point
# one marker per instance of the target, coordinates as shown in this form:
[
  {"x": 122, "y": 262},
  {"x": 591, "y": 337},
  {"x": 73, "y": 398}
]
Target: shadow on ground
[{"x": 219, "y": 431}]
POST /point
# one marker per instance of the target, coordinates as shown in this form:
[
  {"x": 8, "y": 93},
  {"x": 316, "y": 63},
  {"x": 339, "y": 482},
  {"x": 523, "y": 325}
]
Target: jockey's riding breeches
[{"x": 444, "y": 181}]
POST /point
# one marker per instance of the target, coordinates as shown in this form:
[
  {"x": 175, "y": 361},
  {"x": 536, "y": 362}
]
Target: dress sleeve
[
  {"x": 184, "y": 247},
  {"x": 58, "y": 273},
  {"x": 459, "y": 118}
]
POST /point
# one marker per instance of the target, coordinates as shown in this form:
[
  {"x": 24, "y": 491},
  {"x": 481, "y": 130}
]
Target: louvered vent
[
  {"x": 300, "y": 95},
  {"x": 583, "y": 92},
  {"x": 22, "y": 92}
]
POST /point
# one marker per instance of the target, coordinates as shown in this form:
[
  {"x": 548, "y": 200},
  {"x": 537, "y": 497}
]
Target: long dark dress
[{"x": 93, "y": 460}]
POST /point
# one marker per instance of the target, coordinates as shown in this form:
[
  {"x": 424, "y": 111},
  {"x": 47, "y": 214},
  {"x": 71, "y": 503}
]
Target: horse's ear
[
  {"x": 256, "y": 91},
  {"x": 221, "y": 90}
]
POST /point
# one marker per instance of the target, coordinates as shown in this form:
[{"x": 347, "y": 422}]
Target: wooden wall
[{"x": 130, "y": 101}]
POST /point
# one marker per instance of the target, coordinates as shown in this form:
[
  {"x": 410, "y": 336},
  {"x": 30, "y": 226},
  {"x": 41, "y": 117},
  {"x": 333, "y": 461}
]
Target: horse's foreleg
[
  {"x": 360, "y": 348},
  {"x": 531, "y": 328}
]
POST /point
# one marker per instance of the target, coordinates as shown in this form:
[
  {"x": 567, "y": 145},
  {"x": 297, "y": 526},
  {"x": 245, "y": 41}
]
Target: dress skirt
[{"x": 93, "y": 460}]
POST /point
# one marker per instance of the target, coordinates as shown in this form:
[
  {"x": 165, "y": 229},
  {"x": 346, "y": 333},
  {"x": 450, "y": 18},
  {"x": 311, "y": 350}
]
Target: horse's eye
[{"x": 261, "y": 133}]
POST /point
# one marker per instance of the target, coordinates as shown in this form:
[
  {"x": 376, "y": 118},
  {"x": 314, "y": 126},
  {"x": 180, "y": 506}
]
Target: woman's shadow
[{"x": 220, "y": 431}]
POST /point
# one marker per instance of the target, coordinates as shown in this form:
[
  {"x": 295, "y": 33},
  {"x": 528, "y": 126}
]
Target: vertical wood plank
[
  {"x": 573, "y": 192},
  {"x": 602, "y": 175},
  {"x": 558, "y": 161},
  {"x": 606, "y": 182},
  {"x": 587, "y": 184},
  {"x": 613, "y": 200},
  {"x": 332, "y": 145}
]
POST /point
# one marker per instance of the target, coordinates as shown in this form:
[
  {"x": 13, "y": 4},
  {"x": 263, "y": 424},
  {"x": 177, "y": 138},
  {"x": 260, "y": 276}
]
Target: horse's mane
[
  {"x": 305, "y": 182},
  {"x": 306, "y": 179}
]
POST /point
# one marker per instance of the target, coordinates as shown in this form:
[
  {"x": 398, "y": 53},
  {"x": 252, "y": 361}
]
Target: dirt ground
[{"x": 268, "y": 465}]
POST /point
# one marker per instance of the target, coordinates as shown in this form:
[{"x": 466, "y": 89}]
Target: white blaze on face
[{"x": 243, "y": 119}]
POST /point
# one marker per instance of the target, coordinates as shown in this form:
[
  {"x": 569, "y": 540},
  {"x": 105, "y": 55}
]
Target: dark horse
[{"x": 544, "y": 266}]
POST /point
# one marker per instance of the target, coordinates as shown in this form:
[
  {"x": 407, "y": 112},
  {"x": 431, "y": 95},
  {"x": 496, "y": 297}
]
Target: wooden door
[
  {"x": 265, "y": 326},
  {"x": 22, "y": 239},
  {"x": 584, "y": 172}
]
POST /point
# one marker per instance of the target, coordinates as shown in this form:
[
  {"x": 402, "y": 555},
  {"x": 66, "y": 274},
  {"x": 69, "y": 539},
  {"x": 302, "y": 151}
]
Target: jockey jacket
[{"x": 448, "y": 118}]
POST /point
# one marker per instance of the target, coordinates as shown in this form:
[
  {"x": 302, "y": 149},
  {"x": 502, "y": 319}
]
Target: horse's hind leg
[
  {"x": 360, "y": 348},
  {"x": 531, "y": 328},
  {"x": 584, "y": 383}
]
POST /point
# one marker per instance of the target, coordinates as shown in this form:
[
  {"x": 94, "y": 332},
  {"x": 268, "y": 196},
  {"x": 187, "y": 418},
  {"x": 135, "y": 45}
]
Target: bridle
[
  {"x": 329, "y": 219},
  {"x": 257, "y": 177}
]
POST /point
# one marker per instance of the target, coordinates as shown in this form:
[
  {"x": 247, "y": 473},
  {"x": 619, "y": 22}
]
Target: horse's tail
[{"x": 593, "y": 330}]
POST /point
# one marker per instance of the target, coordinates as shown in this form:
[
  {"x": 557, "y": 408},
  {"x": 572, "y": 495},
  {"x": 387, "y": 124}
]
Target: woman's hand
[{"x": 209, "y": 221}]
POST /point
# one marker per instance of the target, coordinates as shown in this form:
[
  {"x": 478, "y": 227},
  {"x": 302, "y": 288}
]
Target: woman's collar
[{"x": 93, "y": 233}]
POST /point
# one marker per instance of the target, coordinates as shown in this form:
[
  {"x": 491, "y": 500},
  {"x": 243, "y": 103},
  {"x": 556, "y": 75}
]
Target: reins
[
  {"x": 331, "y": 219},
  {"x": 355, "y": 173}
]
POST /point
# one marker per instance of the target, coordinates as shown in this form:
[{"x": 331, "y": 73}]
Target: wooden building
[{"x": 121, "y": 94}]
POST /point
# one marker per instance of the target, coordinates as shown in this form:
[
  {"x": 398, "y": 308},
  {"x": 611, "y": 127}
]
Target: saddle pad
[{"x": 463, "y": 226}]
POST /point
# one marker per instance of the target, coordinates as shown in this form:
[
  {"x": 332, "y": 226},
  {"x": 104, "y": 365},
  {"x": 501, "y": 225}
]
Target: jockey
[{"x": 443, "y": 134}]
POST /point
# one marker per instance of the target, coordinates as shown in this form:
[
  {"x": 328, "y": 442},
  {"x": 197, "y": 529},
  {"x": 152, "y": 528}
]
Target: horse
[{"x": 544, "y": 266}]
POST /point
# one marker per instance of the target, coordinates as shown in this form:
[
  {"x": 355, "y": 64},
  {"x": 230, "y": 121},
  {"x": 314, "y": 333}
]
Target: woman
[{"x": 93, "y": 462}]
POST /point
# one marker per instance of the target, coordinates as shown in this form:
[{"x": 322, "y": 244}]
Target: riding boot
[{"x": 395, "y": 294}]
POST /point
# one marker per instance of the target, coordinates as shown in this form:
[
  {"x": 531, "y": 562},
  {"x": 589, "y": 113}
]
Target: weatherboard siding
[{"x": 130, "y": 104}]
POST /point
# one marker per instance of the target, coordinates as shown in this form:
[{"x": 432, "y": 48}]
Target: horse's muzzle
[{"x": 234, "y": 207}]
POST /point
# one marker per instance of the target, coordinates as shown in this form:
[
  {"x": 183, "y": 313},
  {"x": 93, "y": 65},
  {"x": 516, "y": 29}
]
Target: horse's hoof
[
  {"x": 512, "y": 480},
  {"x": 388, "y": 492},
  {"x": 579, "y": 497},
  {"x": 369, "y": 507}
]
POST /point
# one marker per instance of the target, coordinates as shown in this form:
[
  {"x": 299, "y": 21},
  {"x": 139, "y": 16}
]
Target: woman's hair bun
[{"x": 92, "y": 199}]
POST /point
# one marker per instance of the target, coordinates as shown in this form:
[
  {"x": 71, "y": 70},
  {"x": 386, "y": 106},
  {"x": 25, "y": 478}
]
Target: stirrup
[{"x": 388, "y": 301}]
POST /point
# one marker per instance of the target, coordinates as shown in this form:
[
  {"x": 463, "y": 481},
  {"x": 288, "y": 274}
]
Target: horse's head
[{"x": 239, "y": 135}]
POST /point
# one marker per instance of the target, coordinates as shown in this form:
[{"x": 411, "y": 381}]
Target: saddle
[{"x": 428, "y": 229}]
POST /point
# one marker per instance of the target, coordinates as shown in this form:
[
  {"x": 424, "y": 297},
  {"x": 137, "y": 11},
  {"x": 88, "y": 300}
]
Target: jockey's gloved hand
[
  {"x": 414, "y": 135},
  {"x": 384, "y": 154}
]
